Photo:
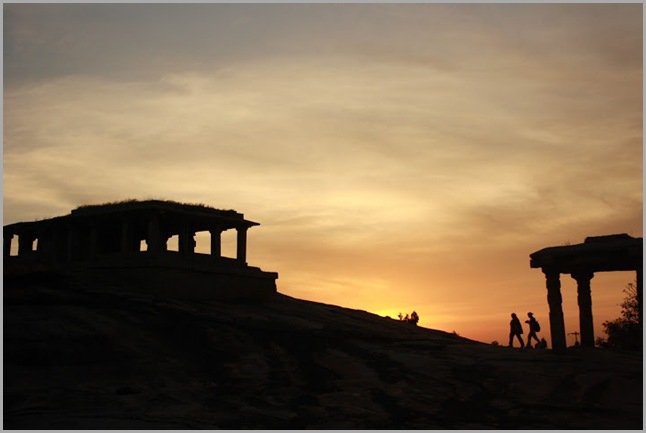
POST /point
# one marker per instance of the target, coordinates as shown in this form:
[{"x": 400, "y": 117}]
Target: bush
[{"x": 625, "y": 332}]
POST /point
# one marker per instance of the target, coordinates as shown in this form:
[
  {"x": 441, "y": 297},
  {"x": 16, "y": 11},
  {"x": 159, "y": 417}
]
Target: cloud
[
  {"x": 356, "y": 139},
  {"x": 394, "y": 154}
]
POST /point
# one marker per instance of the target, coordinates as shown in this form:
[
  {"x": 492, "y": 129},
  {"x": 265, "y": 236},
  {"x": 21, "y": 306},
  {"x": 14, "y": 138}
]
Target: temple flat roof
[
  {"x": 618, "y": 252},
  {"x": 127, "y": 205},
  {"x": 198, "y": 212}
]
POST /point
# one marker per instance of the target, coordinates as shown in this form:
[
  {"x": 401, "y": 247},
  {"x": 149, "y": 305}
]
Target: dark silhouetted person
[
  {"x": 515, "y": 330},
  {"x": 534, "y": 327}
]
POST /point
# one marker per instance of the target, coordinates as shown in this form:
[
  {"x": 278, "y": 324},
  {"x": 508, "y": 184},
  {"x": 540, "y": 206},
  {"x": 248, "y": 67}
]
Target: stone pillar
[
  {"x": 216, "y": 242},
  {"x": 44, "y": 246},
  {"x": 242, "y": 245},
  {"x": 557, "y": 324},
  {"x": 154, "y": 239},
  {"x": 25, "y": 243},
  {"x": 93, "y": 242},
  {"x": 186, "y": 240},
  {"x": 71, "y": 243},
  {"x": 7, "y": 243},
  {"x": 164, "y": 241},
  {"x": 59, "y": 245},
  {"x": 584, "y": 299},
  {"x": 125, "y": 237}
]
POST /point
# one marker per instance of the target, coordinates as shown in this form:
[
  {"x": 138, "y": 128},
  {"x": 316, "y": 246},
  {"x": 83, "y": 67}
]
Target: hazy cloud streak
[{"x": 388, "y": 145}]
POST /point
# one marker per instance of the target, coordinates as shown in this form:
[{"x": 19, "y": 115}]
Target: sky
[{"x": 398, "y": 157}]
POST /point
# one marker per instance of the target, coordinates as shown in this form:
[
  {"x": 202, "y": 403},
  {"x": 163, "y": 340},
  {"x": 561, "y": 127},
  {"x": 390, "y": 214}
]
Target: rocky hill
[{"x": 84, "y": 355}]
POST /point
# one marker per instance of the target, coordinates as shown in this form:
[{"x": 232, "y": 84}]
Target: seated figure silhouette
[
  {"x": 541, "y": 344},
  {"x": 534, "y": 327},
  {"x": 516, "y": 329}
]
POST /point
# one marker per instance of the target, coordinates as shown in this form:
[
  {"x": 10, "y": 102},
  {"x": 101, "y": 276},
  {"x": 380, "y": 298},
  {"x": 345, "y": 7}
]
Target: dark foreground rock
[{"x": 80, "y": 355}]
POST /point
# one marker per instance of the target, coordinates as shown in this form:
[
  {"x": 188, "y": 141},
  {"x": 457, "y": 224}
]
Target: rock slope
[{"x": 84, "y": 355}]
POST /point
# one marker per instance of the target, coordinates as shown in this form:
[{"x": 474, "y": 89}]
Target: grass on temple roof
[{"x": 132, "y": 200}]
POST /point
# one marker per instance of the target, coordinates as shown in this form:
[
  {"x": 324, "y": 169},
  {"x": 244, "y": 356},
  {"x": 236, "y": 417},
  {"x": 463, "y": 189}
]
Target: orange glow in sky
[{"x": 399, "y": 157}]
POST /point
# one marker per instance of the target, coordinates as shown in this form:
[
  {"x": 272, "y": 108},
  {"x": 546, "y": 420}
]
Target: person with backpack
[
  {"x": 516, "y": 329},
  {"x": 534, "y": 327}
]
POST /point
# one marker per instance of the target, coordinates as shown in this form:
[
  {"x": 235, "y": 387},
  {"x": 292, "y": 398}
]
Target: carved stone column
[
  {"x": 186, "y": 240},
  {"x": 58, "y": 249},
  {"x": 7, "y": 243},
  {"x": 242, "y": 245},
  {"x": 72, "y": 236},
  {"x": 154, "y": 235},
  {"x": 163, "y": 241},
  {"x": 554, "y": 299},
  {"x": 216, "y": 242},
  {"x": 25, "y": 243},
  {"x": 93, "y": 242},
  {"x": 584, "y": 299},
  {"x": 126, "y": 236}
]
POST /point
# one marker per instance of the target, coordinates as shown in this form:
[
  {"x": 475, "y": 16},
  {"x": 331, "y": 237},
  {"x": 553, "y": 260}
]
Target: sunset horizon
[{"x": 398, "y": 158}]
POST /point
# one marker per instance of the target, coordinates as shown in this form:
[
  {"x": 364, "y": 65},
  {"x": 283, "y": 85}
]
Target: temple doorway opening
[
  {"x": 14, "y": 247},
  {"x": 172, "y": 244},
  {"x": 229, "y": 244},
  {"x": 607, "y": 290},
  {"x": 202, "y": 242}
]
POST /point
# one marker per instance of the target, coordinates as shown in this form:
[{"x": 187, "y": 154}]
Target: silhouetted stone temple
[
  {"x": 619, "y": 252},
  {"x": 129, "y": 239}
]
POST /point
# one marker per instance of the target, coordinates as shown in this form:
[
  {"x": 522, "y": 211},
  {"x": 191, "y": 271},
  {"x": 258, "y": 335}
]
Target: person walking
[
  {"x": 516, "y": 329},
  {"x": 534, "y": 327}
]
